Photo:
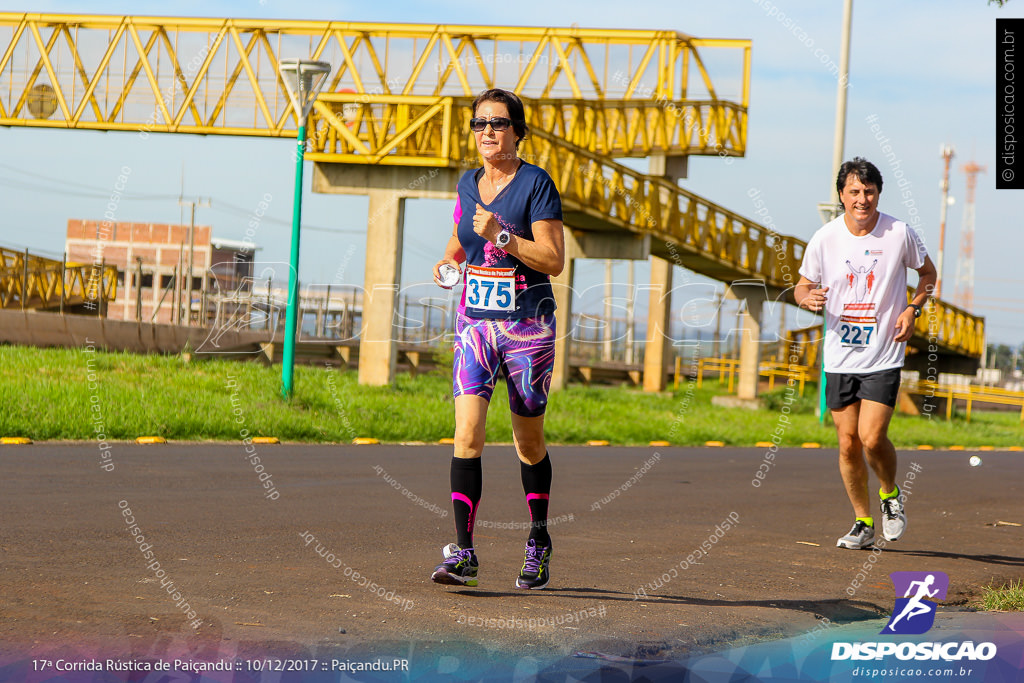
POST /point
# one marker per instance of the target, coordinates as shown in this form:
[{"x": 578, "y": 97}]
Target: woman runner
[{"x": 508, "y": 232}]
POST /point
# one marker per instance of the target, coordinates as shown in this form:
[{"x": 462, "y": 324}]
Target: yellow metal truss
[
  {"x": 950, "y": 328},
  {"x": 209, "y": 76},
  {"x": 804, "y": 344},
  {"x": 35, "y": 282},
  {"x": 423, "y": 130}
]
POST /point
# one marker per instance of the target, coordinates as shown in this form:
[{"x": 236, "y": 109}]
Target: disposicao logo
[{"x": 914, "y": 613}]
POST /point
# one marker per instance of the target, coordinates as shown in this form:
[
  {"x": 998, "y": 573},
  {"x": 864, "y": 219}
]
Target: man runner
[{"x": 855, "y": 270}]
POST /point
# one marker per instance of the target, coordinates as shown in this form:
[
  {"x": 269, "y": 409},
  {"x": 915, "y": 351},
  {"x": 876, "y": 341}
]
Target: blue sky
[{"x": 923, "y": 71}]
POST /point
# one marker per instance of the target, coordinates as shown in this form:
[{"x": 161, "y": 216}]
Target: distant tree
[
  {"x": 1001, "y": 357},
  {"x": 998, "y": 2}
]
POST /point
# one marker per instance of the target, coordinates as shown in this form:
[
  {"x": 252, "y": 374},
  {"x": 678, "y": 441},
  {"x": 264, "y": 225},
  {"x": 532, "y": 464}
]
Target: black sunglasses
[{"x": 498, "y": 124}]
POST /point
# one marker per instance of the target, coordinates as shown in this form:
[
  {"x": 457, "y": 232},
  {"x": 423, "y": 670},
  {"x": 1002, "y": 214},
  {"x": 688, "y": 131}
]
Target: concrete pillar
[
  {"x": 659, "y": 307},
  {"x": 377, "y": 339},
  {"x": 562, "y": 289},
  {"x": 674, "y": 168},
  {"x": 750, "y": 340}
]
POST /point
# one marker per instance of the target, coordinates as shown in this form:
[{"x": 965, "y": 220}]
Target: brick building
[{"x": 160, "y": 252}]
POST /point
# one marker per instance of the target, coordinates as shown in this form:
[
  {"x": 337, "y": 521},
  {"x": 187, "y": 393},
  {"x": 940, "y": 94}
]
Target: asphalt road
[{"x": 267, "y": 573}]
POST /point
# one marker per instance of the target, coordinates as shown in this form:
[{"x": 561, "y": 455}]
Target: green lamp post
[{"x": 303, "y": 80}]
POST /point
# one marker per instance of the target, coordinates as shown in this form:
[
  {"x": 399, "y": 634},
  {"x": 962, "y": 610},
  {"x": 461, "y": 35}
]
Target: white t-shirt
[{"x": 867, "y": 281}]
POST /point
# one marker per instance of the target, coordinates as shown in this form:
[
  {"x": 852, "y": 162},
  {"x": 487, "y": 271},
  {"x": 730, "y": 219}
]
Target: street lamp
[
  {"x": 303, "y": 80},
  {"x": 947, "y": 156},
  {"x": 830, "y": 210}
]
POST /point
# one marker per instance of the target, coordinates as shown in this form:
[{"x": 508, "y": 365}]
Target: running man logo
[
  {"x": 914, "y": 613},
  {"x": 861, "y": 279}
]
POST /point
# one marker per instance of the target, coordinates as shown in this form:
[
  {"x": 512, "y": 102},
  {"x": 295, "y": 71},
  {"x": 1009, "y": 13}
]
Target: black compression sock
[
  {"x": 537, "y": 486},
  {"x": 467, "y": 485}
]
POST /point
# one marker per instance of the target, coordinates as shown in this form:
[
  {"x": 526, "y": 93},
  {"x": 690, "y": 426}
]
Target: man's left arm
[{"x": 927, "y": 277}]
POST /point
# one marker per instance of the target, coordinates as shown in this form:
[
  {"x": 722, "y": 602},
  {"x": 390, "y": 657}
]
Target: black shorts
[{"x": 842, "y": 389}]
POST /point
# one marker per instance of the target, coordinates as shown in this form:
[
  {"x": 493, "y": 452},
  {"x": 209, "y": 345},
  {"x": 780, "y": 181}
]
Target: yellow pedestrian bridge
[
  {"x": 34, "y": 282},
  {"x": 392, "y": 123}
]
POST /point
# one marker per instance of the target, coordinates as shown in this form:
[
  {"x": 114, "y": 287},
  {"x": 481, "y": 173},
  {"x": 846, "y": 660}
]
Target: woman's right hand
[{"x": 437, "y": 269}]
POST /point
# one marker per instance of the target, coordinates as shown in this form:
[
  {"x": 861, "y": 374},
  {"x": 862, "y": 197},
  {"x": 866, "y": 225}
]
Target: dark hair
[
  {"x": 512, "y": 103},
  {"x": 865, "y": 171}
]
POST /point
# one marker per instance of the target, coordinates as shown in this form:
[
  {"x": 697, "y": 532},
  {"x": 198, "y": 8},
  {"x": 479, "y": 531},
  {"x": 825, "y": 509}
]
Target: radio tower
[{"x": 965, "y": 266}]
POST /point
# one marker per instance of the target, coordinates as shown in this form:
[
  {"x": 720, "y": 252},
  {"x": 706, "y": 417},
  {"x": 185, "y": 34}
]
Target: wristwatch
[
  {"x": 917, "y": 310},
  {"x": 503, "y": 238}
]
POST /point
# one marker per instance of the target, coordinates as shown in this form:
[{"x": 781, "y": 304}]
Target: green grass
[
  {"x": 1008, "y": 598},
  {"x": 69, "y": 394}
]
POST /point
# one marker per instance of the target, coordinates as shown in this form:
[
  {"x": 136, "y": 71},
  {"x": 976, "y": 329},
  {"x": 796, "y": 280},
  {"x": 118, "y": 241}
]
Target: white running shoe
[
  {"x": 861, "y": 536},
  {"x": 894, "y": 521}
]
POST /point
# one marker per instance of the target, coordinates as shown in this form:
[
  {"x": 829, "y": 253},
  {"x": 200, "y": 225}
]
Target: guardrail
[
  {"x": 728, "y": 369},
  {"x": 969, "y": 393}
]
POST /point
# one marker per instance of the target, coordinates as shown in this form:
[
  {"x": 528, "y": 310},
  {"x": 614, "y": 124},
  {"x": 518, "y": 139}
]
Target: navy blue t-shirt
[{"x": 530, "y": 196}]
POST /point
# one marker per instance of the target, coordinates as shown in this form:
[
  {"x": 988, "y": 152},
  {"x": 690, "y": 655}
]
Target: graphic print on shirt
[
  {"x": 861, "y": 280},
  {"x": 494, "y": 255},
  {"x": 858, "y": 324}
]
